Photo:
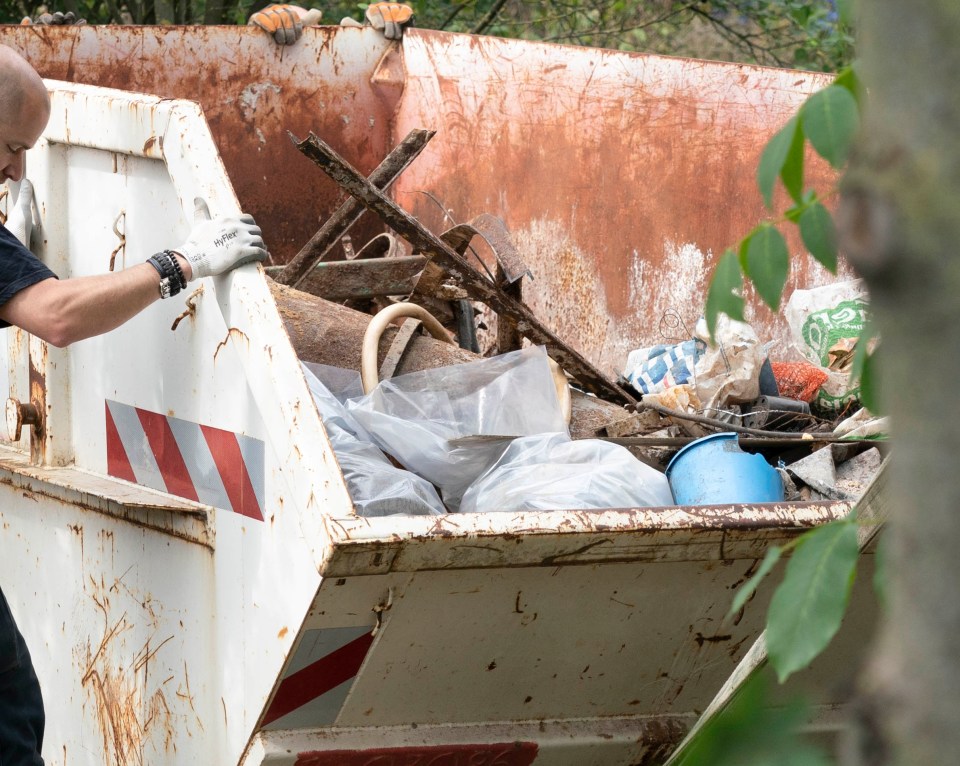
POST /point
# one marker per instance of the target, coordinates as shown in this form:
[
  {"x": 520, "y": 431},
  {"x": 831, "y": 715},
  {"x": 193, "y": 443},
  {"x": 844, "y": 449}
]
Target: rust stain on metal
[
  {"x": 127, "y": 714},
  {"x": 702, "y": 639},
  {"x": 232, "y": 332},
  {"x": 362, "y": 278},
  {"x": 558, "y": 558},
  {"x": 659, "y": 736},
  {"x": 153, "y": 146},
  {"x": 582, "y": 143},
  {"x": 38, "y": 398}
]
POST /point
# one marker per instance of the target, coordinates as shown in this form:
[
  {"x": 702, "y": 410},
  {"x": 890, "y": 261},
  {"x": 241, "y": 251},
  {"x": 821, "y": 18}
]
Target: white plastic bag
[
  {"x": 414, "y": 417},
  {"x": 552, "y": 472},
  {"x": 722, "y": 374},
  {"x": 377, "y": 487},
  {"x": 827, "y": 321},
  {"x": 729, "y": 371}
]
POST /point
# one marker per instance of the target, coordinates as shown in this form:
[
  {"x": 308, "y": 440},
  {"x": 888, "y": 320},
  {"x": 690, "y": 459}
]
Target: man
[{"x": 63, "y": 311}]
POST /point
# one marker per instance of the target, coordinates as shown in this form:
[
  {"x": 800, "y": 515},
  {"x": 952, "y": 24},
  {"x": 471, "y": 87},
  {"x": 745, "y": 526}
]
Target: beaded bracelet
[{"x": 172, "y": 280}]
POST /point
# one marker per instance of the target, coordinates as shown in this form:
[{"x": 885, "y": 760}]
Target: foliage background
[{"x": 797, "y": 33}]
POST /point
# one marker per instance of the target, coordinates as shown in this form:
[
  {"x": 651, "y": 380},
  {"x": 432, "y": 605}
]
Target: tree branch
[{"x": 487, "y": 20}]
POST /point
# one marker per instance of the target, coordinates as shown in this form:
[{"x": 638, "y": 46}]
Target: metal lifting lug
[{"x": 20, "y": 414}]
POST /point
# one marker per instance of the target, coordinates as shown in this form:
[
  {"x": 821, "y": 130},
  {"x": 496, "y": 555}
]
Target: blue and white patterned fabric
[{"x": 657, "y": 368}]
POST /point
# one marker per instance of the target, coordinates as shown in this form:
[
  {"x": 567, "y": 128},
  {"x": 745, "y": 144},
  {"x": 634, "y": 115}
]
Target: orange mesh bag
[{"x": 798, "y": 380}]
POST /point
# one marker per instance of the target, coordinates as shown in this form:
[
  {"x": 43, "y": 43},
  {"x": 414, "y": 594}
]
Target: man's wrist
[
  {"x": 184, "y": 265},
  {"x": 172, "y": 276}
]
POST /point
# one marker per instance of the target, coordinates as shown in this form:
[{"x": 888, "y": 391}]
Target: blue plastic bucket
[{"x": 715, "y": 471}]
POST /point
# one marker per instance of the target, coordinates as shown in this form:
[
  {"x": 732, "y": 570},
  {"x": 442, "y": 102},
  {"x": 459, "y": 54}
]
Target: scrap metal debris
[
  {"x": 687, "y": 390},
  {"x": 476, "y": 284},
  {"x": 350, "y": 211}
]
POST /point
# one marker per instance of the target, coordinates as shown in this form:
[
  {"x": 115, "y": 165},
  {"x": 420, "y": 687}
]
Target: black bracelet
[
  {"x": 176, "y": 265},
  {"x": 170, "y": 282}
]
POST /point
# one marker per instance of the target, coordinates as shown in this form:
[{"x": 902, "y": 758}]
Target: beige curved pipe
[{"x": 369, "y": 372}]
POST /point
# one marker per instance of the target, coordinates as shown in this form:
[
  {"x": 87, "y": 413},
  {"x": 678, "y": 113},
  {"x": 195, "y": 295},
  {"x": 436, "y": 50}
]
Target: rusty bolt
[{"x": 20, "y": 414}]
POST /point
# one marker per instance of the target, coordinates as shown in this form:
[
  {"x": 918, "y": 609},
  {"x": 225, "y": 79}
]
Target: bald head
[
  {"x": 24, "y": 111},
  {"x": 20, "y": 85}
]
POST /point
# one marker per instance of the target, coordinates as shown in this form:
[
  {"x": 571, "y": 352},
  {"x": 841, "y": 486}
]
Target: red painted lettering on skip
[{"x": 501, "y": 754}]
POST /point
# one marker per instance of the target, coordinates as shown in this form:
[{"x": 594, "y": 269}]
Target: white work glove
[
  {"x": 20, "y": 219},
  {"x": 217, "y": 246}
]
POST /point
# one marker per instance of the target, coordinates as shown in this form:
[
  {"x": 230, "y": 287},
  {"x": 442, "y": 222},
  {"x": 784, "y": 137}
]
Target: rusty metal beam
[
  {"x": 360, "y": 278},
  {"x": 350, "y": 211},
  {"x": 475, "y": 283}
]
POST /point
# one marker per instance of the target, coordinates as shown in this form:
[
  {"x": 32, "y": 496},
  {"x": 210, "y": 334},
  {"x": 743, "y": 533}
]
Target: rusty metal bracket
[
  {"x": 121, "y": 235},
  {"x": 404, "y": 337},
  {"x": 510, "y": 266},
  {"x": 477, "y": 285},
  {"x": 350, "y": 211},
  {"x": 361, "y": 278},
  {"x": 495, "y": 233}
]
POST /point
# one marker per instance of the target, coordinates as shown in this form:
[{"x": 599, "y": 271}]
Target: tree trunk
[{"x": 900, "y": 223}]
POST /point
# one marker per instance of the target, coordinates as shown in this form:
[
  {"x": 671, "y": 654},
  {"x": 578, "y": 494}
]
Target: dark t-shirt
[{"x": 19, "y": 268}]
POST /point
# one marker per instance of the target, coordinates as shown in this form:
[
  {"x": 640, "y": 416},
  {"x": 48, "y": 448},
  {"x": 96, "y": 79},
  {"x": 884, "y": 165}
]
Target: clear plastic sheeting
[
  {"x": 342, "y": 383},
  {"x": 377, "y": 487},
  {"x": 553, "y": 472},
  {"x": 414, "y": 417}
]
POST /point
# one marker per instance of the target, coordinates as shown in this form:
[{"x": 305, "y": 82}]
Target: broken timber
[
  {"x": 476, "y": 284},
  {"x": 350, "y": 211}
]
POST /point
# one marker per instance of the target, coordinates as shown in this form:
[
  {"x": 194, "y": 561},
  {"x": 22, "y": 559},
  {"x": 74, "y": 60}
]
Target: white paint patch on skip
[
  {"x": 636, "y": 284},
  {"x": 251, "y": 95},
  {"x": 678, "y": 289}
]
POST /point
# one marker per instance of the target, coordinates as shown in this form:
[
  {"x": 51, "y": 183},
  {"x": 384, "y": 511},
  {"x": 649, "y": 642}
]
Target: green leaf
[
  {"x": 793, "y": 214},
  {"x": 830, "y": 119},
  {"x": 819, "y": 235},
  {"x": 744, "y": 246},
  {"x": 792, "y": 171},
  {"x": 808, "y": 606},
  {"x": 750, "y": 586},
  {"x": 768, "y": 264},
  {"x": 801, "y": 14},
  {"x": 722, "y": 297},
  {"x": 774, "y": 155},
  {"x": 847, "y": 78},
  {"x": 753, "y": 730},
  {"x": 863, "y": 370},
  {"x": 863, "y": 346},
  {"x": 869, "y": 396}
]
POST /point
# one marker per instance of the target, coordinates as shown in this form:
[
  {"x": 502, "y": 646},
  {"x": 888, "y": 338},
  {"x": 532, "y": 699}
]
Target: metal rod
[
  {"x": 722, "y": 425},
  {"x": 476, "y": 284},
  {"x": 350, "y": 211}
]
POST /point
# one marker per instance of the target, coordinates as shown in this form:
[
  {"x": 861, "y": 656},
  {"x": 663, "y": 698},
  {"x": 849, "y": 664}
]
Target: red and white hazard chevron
[
  {"x": 193, "y": 461},
  {"x": 318, "y": 677}
]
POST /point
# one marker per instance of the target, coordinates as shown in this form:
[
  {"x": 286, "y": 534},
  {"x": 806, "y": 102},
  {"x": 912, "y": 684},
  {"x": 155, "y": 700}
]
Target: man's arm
[{"x": 64, "y": 311}]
